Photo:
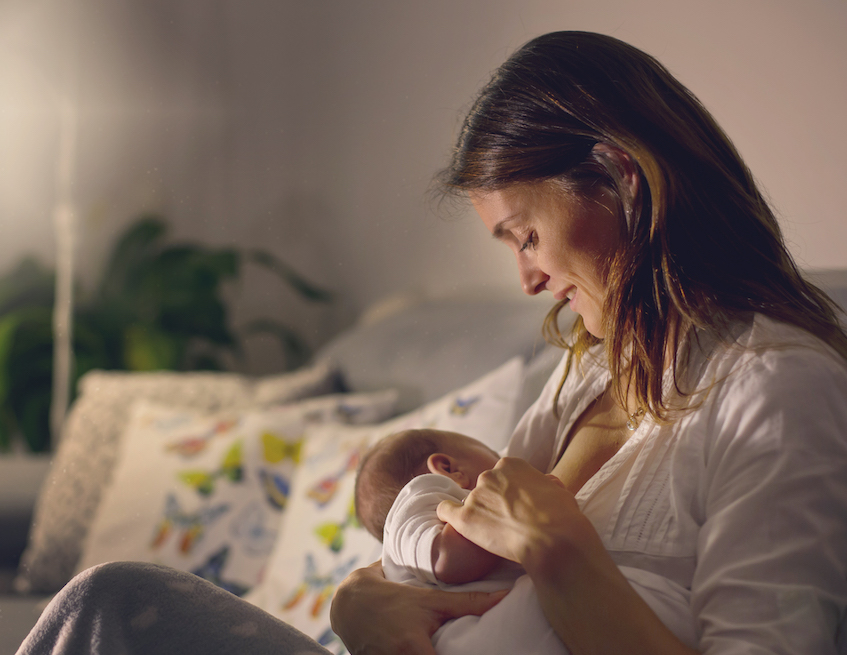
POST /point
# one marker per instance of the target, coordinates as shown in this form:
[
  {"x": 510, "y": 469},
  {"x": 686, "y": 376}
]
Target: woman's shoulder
[
  {"x": 766, "y": 347},
  {"x": 781, "y": 378}
]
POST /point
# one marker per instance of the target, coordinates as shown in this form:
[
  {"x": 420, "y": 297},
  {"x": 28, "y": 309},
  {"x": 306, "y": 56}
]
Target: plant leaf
[
  {"x": 29, "y": 283},
  {"x": 306, "y": 289},
  {"x": 137, "y": 245},
  {"x": 34, "y": 420},
  {"x": 29, "y": 369},
  {"x": 24, "y": 334},
  {"x": 149, "y": 349}
]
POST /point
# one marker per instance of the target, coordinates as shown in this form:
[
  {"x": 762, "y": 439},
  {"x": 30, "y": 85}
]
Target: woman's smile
[{"x": 563, "y": 243}]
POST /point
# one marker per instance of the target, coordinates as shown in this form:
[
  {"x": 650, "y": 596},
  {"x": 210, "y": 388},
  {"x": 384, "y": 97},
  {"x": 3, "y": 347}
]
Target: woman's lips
[{"x": 566, "y": 294}]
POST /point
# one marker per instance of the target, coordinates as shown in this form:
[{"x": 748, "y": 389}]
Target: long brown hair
[{"x": 703, "y": 248}]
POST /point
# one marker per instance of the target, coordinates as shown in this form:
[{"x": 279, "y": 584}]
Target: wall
[{"x": 313, "y": 129}]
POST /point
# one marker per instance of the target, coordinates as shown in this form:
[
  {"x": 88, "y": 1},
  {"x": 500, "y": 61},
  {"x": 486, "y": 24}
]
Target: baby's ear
[
  {"x": 440, "y": 464},
  {"x": 443, "y": 464}
]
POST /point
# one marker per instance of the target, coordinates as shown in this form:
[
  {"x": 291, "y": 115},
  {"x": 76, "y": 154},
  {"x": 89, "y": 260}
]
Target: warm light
[{"x": 38, "y": 133}]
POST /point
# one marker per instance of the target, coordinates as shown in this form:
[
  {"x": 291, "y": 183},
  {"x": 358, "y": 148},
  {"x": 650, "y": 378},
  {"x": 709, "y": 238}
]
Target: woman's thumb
[
  {"x": 446, "y": 509},
  {"x": 452, "y": 605}
]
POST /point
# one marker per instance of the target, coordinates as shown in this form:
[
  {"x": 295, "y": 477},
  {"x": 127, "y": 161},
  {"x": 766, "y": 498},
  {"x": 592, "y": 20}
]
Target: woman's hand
[
  {"x": 376, "y": 617},
  {"x": 521, "y": 514},
  {"x": 515, "y": 511}
]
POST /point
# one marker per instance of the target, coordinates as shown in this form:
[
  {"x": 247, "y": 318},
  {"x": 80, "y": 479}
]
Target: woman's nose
[{"x": 533, "y": 279}]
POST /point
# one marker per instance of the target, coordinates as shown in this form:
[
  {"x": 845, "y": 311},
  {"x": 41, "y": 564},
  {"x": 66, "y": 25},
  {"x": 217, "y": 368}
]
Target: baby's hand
[{"x": 455, "y": 560}]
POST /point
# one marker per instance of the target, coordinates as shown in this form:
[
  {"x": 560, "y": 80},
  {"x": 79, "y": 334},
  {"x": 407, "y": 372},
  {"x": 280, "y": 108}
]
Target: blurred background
[{"x": 311, "y": 130}]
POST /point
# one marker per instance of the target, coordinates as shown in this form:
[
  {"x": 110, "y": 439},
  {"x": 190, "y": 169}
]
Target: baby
[
  {"x": 400, "y": 483},
  {"x": 401, "y": 480}
]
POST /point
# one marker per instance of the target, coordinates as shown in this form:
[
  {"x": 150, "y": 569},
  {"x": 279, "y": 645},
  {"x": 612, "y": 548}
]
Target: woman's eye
[{"x": 530, "y": 242}]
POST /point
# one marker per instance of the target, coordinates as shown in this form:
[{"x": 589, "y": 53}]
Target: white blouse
[{"x": 742, "y": 500}]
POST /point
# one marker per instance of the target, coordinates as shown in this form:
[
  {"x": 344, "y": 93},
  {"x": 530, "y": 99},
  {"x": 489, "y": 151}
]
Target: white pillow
[
  {"x": 308, "y": 562},
  {"x": 205, "y": 492},
  {"x": 83, "y": 462}
]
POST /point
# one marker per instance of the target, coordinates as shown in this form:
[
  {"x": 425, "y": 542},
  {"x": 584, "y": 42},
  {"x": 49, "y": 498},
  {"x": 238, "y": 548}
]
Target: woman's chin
[{"x": 593, "y": 325}]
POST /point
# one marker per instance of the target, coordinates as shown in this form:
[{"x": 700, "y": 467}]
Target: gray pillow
[{"x": 427, "y": 350}]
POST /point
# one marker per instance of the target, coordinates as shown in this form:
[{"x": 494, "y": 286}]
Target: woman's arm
[
  {"x": 528, "y": 517},
  {"x": 408, "y": 616},
  {"x": 772, "y": 550}
]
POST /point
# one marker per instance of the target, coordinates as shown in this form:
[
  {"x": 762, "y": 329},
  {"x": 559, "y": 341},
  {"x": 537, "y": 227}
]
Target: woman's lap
[{"x": 140, "y": 609}]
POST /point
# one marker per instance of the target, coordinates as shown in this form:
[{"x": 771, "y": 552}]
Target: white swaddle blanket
[{"x": 517, "y": 623}]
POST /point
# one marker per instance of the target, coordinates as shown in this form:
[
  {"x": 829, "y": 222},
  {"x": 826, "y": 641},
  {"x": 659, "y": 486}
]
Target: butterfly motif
[
  {"x": 341, "y": 413},
  {"x": 322, "y": 585},
  {"x": 192, "y": 524},
  {"x": 276, "y": 488},
  {"x": 194, "y": 445},
  {"x": 250, "y": 529},
  {"x": 324, "y": 490},
  {"x": 332, "y": 534},
  {"x": 212, "y": 570},
  {"x": 277, "y": 449},
  {"x": 462, "y": 406},
  {"x": 204, "y": 481}
]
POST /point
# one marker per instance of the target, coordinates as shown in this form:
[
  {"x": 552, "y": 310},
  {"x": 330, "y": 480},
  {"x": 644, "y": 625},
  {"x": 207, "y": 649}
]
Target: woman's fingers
[
  {"x": 512, "y": 506},
  {"x": 447, "y": 511},
  {"x": 407, "y": 616},
  {"x": 556, "y": 481},
  {"x": 452, "y": 605}
]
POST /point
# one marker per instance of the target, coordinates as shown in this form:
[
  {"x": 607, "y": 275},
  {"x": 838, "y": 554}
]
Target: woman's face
[{"x": 563, "y": 243}]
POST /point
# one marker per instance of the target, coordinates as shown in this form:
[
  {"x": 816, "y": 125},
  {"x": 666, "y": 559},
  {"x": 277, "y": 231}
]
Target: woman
[
  {"x": 702, "y": 408},
  {"x": 699, "y": 414}
]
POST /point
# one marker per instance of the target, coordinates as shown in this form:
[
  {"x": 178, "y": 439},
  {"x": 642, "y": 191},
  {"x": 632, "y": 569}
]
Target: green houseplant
[{"x": 157, "y": 307}]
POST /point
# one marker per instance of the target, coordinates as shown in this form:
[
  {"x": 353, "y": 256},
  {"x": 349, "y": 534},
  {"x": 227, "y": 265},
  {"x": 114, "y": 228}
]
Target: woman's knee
[{"x": 117, "y": 580}]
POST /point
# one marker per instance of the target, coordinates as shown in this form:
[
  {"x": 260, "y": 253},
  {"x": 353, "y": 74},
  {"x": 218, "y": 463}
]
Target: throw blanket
[{"x": 144, "y": 609}]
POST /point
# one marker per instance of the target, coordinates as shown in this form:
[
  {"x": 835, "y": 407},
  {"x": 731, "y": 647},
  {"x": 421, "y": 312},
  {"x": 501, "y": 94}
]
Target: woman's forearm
[{"x": 590, "y": 604}]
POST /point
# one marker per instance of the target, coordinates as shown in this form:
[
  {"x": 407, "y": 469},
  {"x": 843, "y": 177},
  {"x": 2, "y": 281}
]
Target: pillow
[
  {"x": 536, "y": 373},
  {"x": 426, "y": 349},
  {"x": 87, "y": 450},
  {"x": 205, "y": 492},
  {"x": 308, "y": 563}
]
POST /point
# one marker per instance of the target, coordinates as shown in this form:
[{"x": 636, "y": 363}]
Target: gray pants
[{"x": 132, "y": 608}]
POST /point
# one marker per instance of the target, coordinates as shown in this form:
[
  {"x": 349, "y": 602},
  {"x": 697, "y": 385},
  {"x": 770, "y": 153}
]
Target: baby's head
[{"x": 392, "y": 462}]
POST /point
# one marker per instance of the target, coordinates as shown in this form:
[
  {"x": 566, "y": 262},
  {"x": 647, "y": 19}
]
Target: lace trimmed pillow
[
  {"x": 86, "y": 454},
  {"x": 206, "y": 492},
  {"x": 308, "y": 563}
]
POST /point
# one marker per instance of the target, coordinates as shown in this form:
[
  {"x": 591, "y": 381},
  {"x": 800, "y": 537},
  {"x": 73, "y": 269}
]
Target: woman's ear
[
  {"x": 443, "y": 464},
  {"x": 625, "y": 165}
]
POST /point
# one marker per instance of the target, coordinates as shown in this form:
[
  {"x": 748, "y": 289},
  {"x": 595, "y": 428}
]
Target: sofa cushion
[
  {"x": 427, "y": 348},
  {"x": 206, "y": 492},
  {"x": 307, "y": 563},
  {"x": 20, "y": 481},
  {"x": 88, "y": 447}
]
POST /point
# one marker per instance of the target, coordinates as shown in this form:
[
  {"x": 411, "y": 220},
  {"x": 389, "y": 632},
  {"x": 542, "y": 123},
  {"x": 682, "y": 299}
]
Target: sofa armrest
[{"x": 21, "y": 477}]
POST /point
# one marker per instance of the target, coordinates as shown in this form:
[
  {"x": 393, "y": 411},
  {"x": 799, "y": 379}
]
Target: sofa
[{"x": 248, "y": 482}]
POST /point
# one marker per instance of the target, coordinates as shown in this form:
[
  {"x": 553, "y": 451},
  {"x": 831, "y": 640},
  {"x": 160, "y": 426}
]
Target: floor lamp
[{"x": 65, "y": 232}]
